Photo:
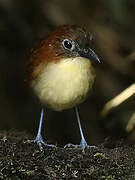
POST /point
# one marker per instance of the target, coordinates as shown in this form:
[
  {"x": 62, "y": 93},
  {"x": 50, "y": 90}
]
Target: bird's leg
[
  {"x": 39, "y": 140},
  {"x": 83, "y": 144}
]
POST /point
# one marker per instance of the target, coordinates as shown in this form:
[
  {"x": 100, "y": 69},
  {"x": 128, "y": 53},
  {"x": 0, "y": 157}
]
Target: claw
[
  {"x": 82, "y": 146},
  {"x": 40, "y": 142}
]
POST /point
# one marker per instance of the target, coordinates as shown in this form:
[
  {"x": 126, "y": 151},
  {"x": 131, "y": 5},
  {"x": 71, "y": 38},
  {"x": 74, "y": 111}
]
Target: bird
[{"x": 60, "y": 73}]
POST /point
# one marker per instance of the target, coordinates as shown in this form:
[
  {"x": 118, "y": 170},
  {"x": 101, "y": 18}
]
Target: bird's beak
[{"x": 89, "y": 53}]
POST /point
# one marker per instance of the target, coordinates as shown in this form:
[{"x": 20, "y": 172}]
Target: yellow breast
[{"x": 64, "y": 84}]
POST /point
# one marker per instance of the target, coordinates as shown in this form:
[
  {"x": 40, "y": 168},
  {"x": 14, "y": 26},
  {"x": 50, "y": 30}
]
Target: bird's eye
[{"x": 68, "y": 44}]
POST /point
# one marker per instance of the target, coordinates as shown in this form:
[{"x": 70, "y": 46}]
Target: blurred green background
[{"x": 112, "y": 23}]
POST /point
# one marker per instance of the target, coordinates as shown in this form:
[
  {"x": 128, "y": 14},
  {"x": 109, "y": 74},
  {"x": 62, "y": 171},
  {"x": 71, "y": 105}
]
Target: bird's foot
[
  {"x": 83, "y": 145},
  {"x": 40, "y": 142}
]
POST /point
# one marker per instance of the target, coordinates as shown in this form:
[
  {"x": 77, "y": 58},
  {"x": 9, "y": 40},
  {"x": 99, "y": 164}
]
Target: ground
[{"x": 21, "y": 159}]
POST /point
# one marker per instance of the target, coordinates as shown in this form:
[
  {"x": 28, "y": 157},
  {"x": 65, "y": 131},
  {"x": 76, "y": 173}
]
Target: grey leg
[
  {"x": 39, "y": 140},
  {"x": 83, "y": 144}
]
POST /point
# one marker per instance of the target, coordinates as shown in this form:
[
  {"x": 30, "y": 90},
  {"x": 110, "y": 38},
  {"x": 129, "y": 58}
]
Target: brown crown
[{"x": 50, "y": 49}]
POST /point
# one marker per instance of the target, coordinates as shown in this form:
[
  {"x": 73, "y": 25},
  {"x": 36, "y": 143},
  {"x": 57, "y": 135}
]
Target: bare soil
[{"x": 20, "y": 159}]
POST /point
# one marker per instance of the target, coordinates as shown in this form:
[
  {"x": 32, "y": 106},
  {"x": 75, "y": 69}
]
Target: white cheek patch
[{"x": 64, "y": 84}]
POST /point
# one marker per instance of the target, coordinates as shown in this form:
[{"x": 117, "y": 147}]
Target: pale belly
[{"x": 65, "y": 84}]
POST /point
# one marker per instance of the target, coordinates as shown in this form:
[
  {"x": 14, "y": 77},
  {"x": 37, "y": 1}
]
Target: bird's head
[{"x": 67, "y": 41}]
